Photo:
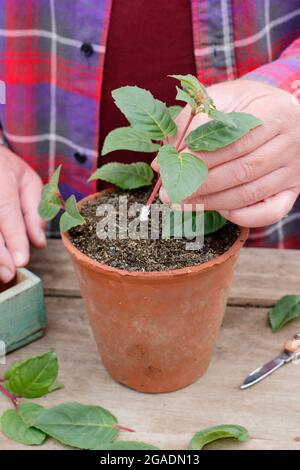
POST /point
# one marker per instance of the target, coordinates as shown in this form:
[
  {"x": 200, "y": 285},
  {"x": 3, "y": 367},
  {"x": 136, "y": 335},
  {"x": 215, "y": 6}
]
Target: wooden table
[{"x": 269, "y": 410}]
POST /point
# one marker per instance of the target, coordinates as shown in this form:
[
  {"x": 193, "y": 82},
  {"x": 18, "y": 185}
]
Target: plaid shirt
[{"x": 52, "y": 57}]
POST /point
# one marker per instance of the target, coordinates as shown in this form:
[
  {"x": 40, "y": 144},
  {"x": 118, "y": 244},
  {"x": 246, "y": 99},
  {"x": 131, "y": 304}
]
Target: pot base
[{"x": 154, "y": 383}]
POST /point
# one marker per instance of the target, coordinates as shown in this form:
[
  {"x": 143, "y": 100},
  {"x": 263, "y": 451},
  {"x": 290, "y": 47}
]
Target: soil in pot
[{"x": 144, "y": 255}]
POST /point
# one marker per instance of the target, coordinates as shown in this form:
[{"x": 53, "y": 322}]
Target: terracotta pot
[{"x": 155, "y": 331}]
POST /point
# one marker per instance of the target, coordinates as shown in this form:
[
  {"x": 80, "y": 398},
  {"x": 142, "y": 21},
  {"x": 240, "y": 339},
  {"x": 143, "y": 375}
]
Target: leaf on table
[
  {"x": 9, "y": 372},
  {"x": 128, "y": 138},
  {"x": 14, "y": 427},
  {"x": 144, "y": 112},
  {"x": 6, "y": 385},
  {"x": 284, "y": 311},
  {"x": 182, "y": 173},
  {"x": 77, "y": 425},
  {"x": 216, "y": 134},
  {"x": 34, "y": 376},
  {"x": 175, "y": 110},
  {"x": 71, "y": 217},
  {"x": 214, "y": 433},
  {"x": 29, "y": 412},
  {"x": 127, "y": 445},
  {"x": 56, "y": 386},
  {"x": 125, "y": 175}
]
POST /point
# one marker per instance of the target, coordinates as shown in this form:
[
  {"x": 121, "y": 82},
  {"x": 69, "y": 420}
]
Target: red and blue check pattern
[{"x": 52, "y": 59}]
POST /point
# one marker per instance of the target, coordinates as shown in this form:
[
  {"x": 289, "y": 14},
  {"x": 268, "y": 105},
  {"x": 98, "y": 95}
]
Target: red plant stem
[
  {"x": 9, "y": 395},
  {"x": 154, "y": 192},
  {"x": 63, "y": 205},
  {"x": 181, "y": 148},
  {"x": 187, "y": 125},
  {"x": 123, "y": 428},
  {"x": 159, "y": 182}
]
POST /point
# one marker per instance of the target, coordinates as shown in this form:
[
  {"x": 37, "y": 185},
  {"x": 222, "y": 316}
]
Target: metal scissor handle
[{"x": 293, "y": 346}]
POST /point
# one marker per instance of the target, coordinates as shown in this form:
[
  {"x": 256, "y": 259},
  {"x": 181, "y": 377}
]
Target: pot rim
[{"x": 97, "y": 266}]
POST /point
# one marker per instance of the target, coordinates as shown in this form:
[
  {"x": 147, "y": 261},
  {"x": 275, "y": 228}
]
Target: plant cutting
[
  {"x": 74, "y": 424},
  {"x": 155, "y": 307}
]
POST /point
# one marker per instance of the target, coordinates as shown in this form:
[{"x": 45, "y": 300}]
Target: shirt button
[
  {"x": 87, "y": 49},
  {"x": 80, "y": 157}
]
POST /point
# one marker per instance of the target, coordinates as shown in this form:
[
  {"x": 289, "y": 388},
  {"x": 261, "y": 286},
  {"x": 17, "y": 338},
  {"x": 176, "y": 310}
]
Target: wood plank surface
[
  {"x": 262, "y": 275},
  {"x": 270, "y": 410}
]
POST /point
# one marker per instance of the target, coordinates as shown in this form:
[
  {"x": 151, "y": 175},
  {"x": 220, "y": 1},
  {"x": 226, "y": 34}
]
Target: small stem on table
[
  {"x": 123, "y": 428},
  {"x": 10, "y": 396},
  {"x": 159, "y": 182}
]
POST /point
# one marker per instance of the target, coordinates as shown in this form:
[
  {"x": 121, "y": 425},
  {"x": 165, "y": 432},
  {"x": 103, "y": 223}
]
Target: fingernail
[
  {"x": 19, "y": 259},
  {"x": 6, "y": 274}
]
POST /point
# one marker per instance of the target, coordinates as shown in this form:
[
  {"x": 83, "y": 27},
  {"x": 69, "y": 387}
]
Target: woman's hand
[
  {"x": 20, "y": 192},
  {"x": 256, "y": 180}
]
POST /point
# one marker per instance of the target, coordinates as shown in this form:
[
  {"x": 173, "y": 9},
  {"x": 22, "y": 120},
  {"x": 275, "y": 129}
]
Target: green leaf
[
  {"x": 175, "y": 110},
  {"x": 215, "y": 134},
  {"x": 144, "y": 112},
  {"x": 192, "y": 92},
  {"x": 6, "y": 385},
  {"x": 285, "y": 310},
  {"x": 182, "y": 173},
  {"x": 191, "y": 85},
  {"x": 71, "y": 217},
  {"x": 173, "y": 224},
  {"x": 54, "y": 180},
  {"x": 29, "y": 412},
  {"x": 184, "y": 96},
  {"x": 9, "y": 372},
  {"x": 214, "y": 433},
  {"x": 15, "y": 428},
  {"x": 183, "y": 224},
  {"x": 56, "y": 386},
  {"x": 125, "y": 175},
  {"x": 222, "y": 117},
  {"x": 77, "y": 425},
  {"x": 49, "y": 205},
  {"x": 188, "y": 224},
  {"x": 33, "y": 377},
  {"x": 127, "y": 445},
  {"x": 128, "y": 138},
  {"x": 213, "y": 221}
]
